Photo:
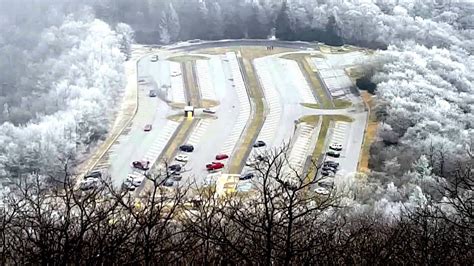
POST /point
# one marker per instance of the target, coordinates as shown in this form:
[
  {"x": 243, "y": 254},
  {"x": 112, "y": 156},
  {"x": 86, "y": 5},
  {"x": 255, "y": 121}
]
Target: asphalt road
[
  {"x": 151, "y": 110},
  {"x": 186, "y": 46}
]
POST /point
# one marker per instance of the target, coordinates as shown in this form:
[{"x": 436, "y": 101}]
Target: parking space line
[{"x": 177, "y": 83}]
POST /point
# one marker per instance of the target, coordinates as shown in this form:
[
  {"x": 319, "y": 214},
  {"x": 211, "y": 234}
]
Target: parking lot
[
  {"x": 218, "y": 130},
  {"x": 220, "y": 133}
]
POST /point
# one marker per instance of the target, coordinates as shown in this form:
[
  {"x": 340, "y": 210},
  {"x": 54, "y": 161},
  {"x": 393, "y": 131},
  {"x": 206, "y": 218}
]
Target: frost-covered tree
[{"x": 126, "y": 35}]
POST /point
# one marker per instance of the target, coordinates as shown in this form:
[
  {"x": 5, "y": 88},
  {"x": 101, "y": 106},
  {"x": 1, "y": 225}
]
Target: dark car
[
  {"x": 328, "y": 168},
  {"x": 175, "y": 167},
  {"x": 186, "y": 148},
  {"x": 147, "y": 127},
  {"x": 331, "y": 164},
  {"x": 246, "y": 176},
  {"x": 333, "y": 154},
  {"x": 259, "y": 144},
  {"x": 142, "y": 165},
  {"x": 95, "y": 174},
  {"x": 325, "y": 173},
  {"x": 168, "y": 183}
]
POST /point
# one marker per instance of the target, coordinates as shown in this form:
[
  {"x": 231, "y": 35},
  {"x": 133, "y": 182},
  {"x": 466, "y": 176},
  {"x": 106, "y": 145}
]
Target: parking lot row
[
  {"x": 301, "y": 146},
  {"x": 205, "y": 80},
  {"x": 177, "y": 84},
  {"x": 199, "y": 131},
  {"x": 299, "y": 81},
  {"x": 244, "y": 103},
  {"x": 160, "y": 142},
  {"x": 339, "y": 133},
  {"x": 271, "y": 124}
]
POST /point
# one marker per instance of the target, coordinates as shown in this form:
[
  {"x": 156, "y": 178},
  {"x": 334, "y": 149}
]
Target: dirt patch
[{"x": 370, "y": 132}]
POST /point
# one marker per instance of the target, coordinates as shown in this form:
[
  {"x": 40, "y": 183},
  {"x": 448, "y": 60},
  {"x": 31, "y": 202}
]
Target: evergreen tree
[{"x": 283, "y": 24}]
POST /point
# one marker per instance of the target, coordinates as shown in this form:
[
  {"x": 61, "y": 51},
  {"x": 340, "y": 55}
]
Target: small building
[
  {"x": 189, "y": 111},
  {"x": 227, "y": 184}
]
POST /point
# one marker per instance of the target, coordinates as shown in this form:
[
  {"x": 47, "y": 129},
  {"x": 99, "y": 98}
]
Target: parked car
[
  {"x": 154, "y": 58},
  {"x": 168, "y": 183},
  {"x": 88, "y": 184},
  {"x": 259, "y": 144},
  {"x": 322, "y": 191},
  {"x": 328, "y": 173},
  {"x": 186, "y": 148},
  {"x": 94, "y": 174},
  {"x": 137, "y": 180},
  {"x": 222, "y": 156},
  {"x": 177, "y": 177},
  {"x": 261, "y": 158},
  {"x": 152, "y": 93},
  {"x": 175, "y": 167},
  {"x": 209, "y": 110},
  {"x": 246, "y": 176},
  {"x": 147, "y": 127},
  {"x": 333, "y": 154},
  {"x": 142, "y": 165},
  {"x": 128, "y": 184},
  {"x": 214, "y": 166},
  {"x": 332, "y": 164},
  {"x": 328, "y": 168},
  {"x": 336, "y": 146},
  {"x": 181, "y": 158}
]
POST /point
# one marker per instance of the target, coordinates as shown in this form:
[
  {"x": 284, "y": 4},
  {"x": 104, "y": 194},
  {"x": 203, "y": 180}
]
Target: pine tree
[{"x": 283, "y": 24}]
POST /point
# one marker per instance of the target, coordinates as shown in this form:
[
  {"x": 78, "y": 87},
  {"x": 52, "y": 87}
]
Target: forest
[{"x": 62, "y": 76}]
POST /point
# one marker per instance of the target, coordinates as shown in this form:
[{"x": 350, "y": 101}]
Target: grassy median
[{"x": 186, "y": 58}]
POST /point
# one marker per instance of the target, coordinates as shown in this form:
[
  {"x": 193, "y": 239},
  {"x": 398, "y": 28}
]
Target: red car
[
  {"x": 214, "y": 166},
  {"x": 222, "y": 156},
  {"x": 142, "y": 165},
  {"x": 147, "y": 127}
]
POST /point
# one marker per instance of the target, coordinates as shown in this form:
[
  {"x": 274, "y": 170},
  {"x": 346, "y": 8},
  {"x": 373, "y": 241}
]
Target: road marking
[
  {"x": 198, "y": 131},
  {"x": 271, "y": 123},
  {"x": 155, "y": 150},
  {"x": 177, "y": 83},
  {"x": 298, "y": 79},
  {"x": 204, "y": 80},
  {"x": 244, "y": 111}
]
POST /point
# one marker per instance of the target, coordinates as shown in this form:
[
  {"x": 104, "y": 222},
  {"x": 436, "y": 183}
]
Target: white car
[
  {"x": 181, "y": 158},
  {"x": 137, "y": 180},
  {"x": 336, "y": 146},
  {"x": 89, "y": 183},
  {"x": 321, "y": 191},
  {"x": 209, "y": 110}
]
